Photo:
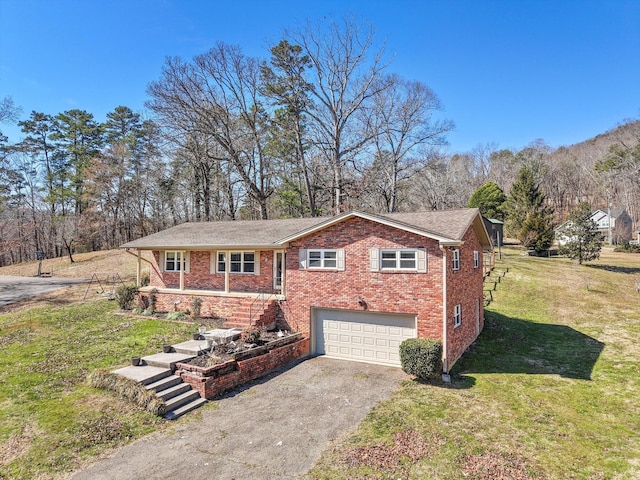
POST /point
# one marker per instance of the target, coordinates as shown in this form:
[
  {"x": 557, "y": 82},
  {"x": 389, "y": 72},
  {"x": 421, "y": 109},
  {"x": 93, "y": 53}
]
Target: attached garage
[{"x": 360, "y": 335}]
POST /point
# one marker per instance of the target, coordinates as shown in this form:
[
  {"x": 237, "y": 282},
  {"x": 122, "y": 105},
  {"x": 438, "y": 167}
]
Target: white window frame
[
  {"x": 320, "y": 255},
  {"x": 176, "y": 263},
  {"x": 222, "y": 257},
  {"x": 457, "y": 316},
  {"x": 476, "y": 259},
  {"x": 398, "y": 252},
  {"x": 455, "y": 259}
]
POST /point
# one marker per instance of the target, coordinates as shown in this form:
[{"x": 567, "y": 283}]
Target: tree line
[{"x": 320, "y": 126}]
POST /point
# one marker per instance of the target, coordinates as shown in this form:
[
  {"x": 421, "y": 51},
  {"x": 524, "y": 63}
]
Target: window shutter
[
  {"x": 340, "y": 259},
  {"x": 422, "y": 260},
  {"x": 162, "y": 262},
  {"x": 302, "y": 259},
  {"x": 213, "y": 257},
  {"x": 256, "y": 263},
  {"x": 374, "y": 259}
]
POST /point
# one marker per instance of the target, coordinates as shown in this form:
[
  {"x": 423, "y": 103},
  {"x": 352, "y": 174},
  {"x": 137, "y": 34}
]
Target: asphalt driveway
[
  {"x": 275, "y": 428},
  {"x": 13, "y": 289}
]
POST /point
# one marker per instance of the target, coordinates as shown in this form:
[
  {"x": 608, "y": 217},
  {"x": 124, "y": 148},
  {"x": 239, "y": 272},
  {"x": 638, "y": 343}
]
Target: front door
[{"x": 278, "y": 274}]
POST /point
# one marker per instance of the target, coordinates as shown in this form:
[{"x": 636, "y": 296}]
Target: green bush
[
  {"x": 179, "y": 315},
  {"x": 421, "y": 357},
  {"x": 125, "y": 295},
  {"x": 627, "y": 248}
]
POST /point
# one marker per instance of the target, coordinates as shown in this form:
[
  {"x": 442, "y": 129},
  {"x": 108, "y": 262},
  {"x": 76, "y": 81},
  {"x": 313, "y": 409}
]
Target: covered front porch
[{"x": 242, "y": 286}]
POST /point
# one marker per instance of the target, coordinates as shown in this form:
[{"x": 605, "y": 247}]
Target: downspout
[{"x": 445, "y": 368}]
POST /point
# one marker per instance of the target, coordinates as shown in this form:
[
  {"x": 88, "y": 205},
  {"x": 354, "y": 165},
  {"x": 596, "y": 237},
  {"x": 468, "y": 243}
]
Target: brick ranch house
[{"x": 355, "y": 284}]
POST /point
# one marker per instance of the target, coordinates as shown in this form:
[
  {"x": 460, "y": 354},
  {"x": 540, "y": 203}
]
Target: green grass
[
  {"x": 550, "y": 390},
  {"x": 51, "y": 422}
]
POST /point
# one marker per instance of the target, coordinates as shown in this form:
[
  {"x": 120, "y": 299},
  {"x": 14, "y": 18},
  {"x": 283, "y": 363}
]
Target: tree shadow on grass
[
  {"x": 512, "y": 345},
  {"x": 616, "y": 269}
]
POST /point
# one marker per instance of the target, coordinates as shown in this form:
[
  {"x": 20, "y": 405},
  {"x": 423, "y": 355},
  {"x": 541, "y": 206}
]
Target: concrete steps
[
  {"x": 156, "y": 372},
  {"x": 158, "y": 377}
]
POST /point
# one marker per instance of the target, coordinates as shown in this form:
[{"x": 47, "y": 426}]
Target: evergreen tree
[
  {"x": 584, "y": 241},
  {"x": 528, "y": 218},
  {"x": 489, "y": 198}
]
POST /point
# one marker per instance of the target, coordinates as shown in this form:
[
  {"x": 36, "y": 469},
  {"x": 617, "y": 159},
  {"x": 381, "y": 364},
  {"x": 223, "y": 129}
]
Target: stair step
[
  {"x": 173, "y": 391},
  {"x": 179, "y": 400},
  {"x": 187, "y": 407},
  {"x": 164, "y": 383},
  {"x": 145, "y": 374},
  {"x": 167, "y": 360}
]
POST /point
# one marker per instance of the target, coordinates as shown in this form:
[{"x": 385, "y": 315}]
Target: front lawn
[
  {"x": 51, "y": 422},
  {"x": 551, "y": 389}
]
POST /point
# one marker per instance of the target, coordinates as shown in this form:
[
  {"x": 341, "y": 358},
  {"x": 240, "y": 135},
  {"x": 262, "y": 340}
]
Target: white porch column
[
  {"x": 227, "y": 270},
  {"x": 182, "y": 267},
  {"x": 138, "y": 270}
]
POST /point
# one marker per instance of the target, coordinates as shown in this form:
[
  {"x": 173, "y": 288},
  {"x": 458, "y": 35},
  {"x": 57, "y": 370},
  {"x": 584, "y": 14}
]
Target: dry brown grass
[{"x": 104, "y": 264}]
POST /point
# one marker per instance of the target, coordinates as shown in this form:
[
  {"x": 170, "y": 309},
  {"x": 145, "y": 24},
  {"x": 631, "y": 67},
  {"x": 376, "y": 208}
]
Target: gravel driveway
[
  {"x": 272, "y": 429},
  {"x": 13, "y": 289}
]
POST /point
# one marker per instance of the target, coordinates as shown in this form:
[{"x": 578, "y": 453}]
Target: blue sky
[{"x": 507, "y": 72}]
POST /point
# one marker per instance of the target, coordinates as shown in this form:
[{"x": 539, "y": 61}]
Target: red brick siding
[
  {"x": 464, "y": 288},
  {"x": 413, "y": 293},
  {"x": 200, "y": 277}
]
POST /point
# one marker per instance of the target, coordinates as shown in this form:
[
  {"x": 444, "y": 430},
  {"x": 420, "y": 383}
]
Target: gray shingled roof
[{"x": 448, "y": 225}]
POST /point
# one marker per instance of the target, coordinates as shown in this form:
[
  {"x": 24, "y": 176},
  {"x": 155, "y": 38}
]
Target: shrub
[
  {"x": 176, "y": 315},
  {"x": 125, "y": 295},
  {"x": 627, "y": 248},
  {"x": 250, "y": 335},
  {"x": 421, "y": 357},
  {"x": 145, "y": 280},
  {"x": 153, "y": 299},
  {"x": 196, "y": 306},
  {"x": 128, "y": 389}
]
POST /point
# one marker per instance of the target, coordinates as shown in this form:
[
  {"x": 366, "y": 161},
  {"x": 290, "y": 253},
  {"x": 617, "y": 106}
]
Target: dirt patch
[
  {"x": 408, "y": 447},
  {"x": 17, "y": 445},
  {"x": 492, "y": 466}
]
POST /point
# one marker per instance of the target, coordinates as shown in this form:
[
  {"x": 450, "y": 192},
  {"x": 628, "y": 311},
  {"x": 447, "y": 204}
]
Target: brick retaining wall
[{"x": 213, "y": 381}]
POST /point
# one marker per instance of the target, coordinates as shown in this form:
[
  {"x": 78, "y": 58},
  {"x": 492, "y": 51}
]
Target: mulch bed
[{"x": 225, "y": 352}]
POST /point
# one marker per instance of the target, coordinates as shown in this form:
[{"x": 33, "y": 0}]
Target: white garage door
[{"x": 362, "y": 336}]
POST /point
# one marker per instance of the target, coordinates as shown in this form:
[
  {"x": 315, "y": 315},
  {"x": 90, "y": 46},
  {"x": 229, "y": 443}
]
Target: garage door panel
[{"x": 364, "y": 336}]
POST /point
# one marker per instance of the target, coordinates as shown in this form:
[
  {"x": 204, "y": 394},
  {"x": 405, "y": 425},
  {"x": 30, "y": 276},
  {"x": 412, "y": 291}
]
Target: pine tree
[
  {"x": 489, "y": 198},
  {"x": 528, "y": 218},
  {"x": 584, "y": 241}
]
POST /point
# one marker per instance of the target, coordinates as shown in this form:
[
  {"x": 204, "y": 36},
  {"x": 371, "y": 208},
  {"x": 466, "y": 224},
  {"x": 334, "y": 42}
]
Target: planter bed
[{"x": 245, "y": 366}]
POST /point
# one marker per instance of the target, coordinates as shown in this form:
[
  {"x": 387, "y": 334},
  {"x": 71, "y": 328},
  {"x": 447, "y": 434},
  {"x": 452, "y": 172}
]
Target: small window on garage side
[
  {"x": 476, "y": 259},
  {"x": 455, "y": 259},
  {"x": 457, "y": 316}
]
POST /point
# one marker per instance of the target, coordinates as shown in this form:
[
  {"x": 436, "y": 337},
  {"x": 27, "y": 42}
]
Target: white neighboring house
[{"x": 621, "y": 224}]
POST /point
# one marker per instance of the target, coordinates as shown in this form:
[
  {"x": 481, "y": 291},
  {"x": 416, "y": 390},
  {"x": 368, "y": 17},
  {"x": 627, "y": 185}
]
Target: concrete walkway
[
  {"x": 275, "y": 428},
  {"x": 13, "y": 289}
]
